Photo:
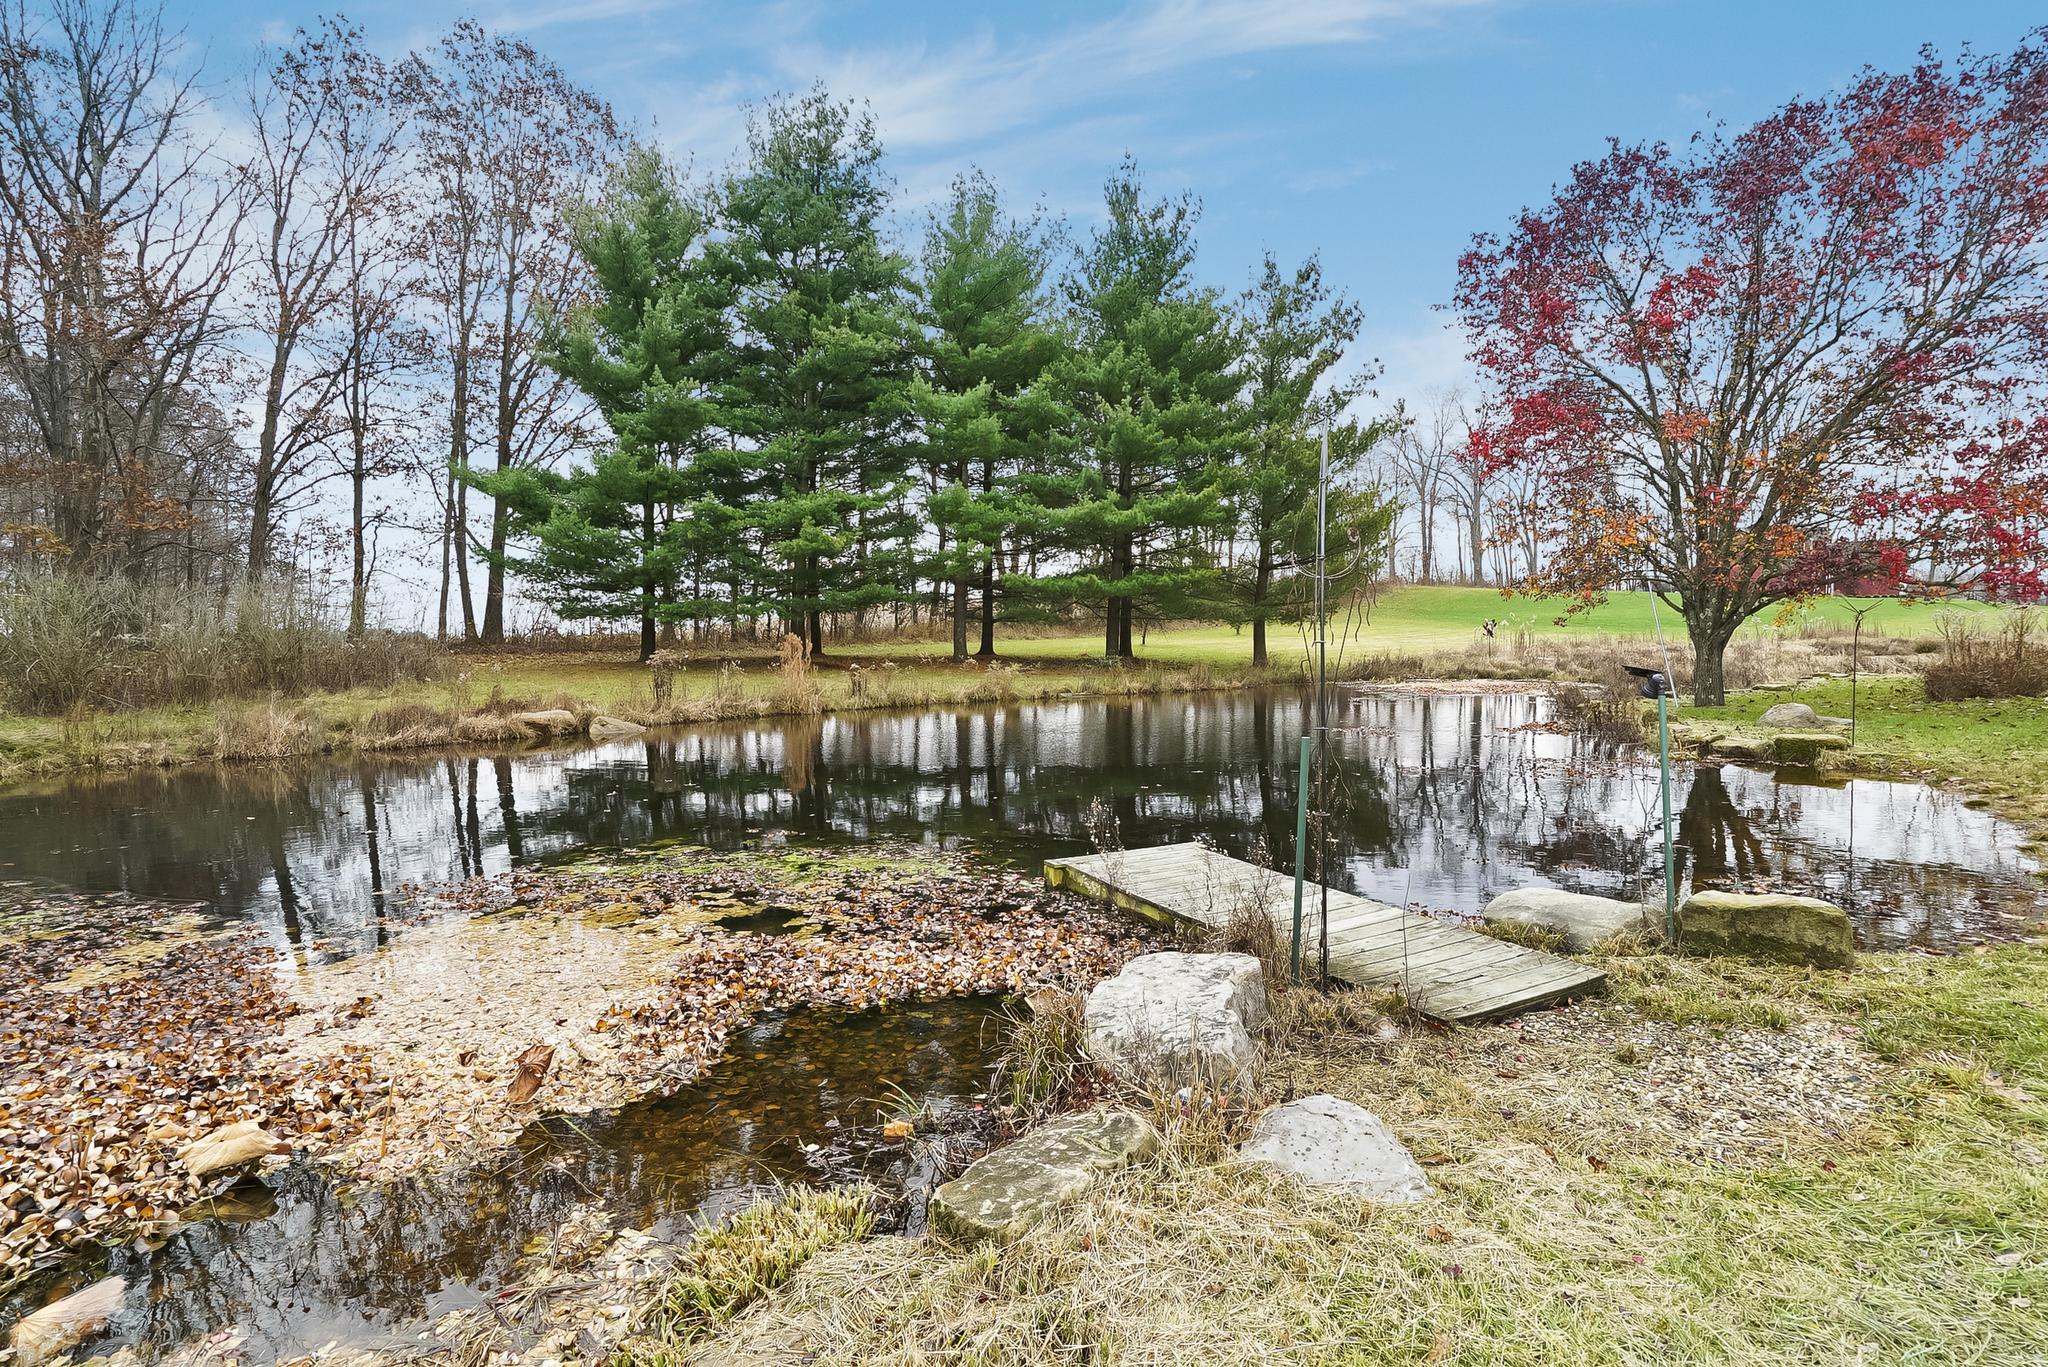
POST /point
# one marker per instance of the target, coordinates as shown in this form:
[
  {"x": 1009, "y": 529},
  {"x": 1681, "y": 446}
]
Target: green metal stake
[
  {"x": 1670, "y": 859},
  {"x": 1300, "y": 857}
]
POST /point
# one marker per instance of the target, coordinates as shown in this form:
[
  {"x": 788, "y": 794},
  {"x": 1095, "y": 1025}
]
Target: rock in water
[
  {"x": 63, "y": 1325},
  {"x": 1175, "y": 1019},
  {"x": 1806, "y": 747},
  {"x": 1328, "y": 1141},
  {"x": 550, "y": 721},
  {"x": 1584, "y": 920},
  {"x": 230, "y": 1146},
  {"x": 1742, "y": 747},
  {"x": 611, "y": 728},
  {"x": 1004, "y": 1193},
  {"x": 1769, "y": 926}
]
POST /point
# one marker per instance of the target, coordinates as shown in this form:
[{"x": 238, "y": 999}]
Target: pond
[{"x": 1441, "y": 802}]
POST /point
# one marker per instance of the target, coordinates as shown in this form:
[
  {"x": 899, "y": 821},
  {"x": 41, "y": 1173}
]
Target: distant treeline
[{"x": 254, "y": 326}]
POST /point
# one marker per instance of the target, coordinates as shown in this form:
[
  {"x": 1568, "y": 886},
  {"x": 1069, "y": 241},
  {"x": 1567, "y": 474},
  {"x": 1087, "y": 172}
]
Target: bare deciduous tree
[{"x": 116, "y": 246}]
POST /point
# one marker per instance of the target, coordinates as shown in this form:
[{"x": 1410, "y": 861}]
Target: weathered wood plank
[{"x": 1449, "y": 973}]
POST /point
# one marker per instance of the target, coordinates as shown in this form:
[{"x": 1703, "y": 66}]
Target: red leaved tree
[{"x": 1818, "y": 349}]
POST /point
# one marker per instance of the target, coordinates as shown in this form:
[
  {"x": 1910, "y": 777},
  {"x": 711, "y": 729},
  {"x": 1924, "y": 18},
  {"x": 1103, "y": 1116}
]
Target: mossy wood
[{"x": 1446, "y": 973}]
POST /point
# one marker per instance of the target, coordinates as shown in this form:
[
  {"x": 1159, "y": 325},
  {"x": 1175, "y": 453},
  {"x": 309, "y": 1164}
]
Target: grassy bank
[
  {"x": 1994, "y": 748},
  {"x": 1411, "y": 632},
  {"x": 1856, "y": 1176}
]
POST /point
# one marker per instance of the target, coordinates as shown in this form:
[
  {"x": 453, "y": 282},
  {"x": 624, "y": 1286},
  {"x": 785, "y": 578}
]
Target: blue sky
[{"x": 1381, "y": 133}]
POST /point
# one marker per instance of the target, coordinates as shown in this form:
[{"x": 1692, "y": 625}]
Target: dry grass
[
  {"x": 265, "y": 731},
  {"x": 728, "y": 1267},
  {"x": 1579, "y": 1218},
  {"x": 1041, "y": 1055}
]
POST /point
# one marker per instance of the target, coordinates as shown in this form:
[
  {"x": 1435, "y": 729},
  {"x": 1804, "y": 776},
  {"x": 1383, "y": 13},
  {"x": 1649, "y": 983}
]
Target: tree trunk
[
  {"x": 960, "y": 618},
  {"x": 358, "y": 578},
  {"x": 1262, "y": 580},
  {"x": 1709, "y": 646},
  {"x": 988, "y": 608},
  {"x": 461, "y": 548},
  {"x": 647, "y": 585}
]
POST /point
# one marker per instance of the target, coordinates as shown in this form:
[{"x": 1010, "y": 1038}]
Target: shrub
[
  {"x": 2013, "y": 664},
  {"x": 105, "y": 642},
  {"x": 55, "y": 635}
]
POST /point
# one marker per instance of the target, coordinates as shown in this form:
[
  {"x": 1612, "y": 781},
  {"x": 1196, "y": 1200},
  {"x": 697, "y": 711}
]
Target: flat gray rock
[
  {"x": 1004, "y": 1193},
  {"x": 1328, "y": 1141},
  {"x": 1173, "y": 1019},
  {"x": 1585, "y": 920},
  {"x": 1798, "y": 716},
  {"x": 612, "y": 728}
]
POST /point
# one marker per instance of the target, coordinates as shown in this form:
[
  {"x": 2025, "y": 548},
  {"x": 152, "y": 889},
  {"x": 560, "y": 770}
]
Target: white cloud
[
  {"x": 1422, "y": 354},
  {"x": 932, "y": 97}
]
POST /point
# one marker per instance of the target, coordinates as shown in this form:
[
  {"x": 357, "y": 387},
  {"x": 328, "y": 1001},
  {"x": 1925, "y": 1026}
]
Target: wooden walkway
[{"x": 1446, "y": 973}]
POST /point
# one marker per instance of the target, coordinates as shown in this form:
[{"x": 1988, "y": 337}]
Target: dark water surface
[
  {"x": 299, "y": 1263},
  {"x": 1443, "y": 802}
]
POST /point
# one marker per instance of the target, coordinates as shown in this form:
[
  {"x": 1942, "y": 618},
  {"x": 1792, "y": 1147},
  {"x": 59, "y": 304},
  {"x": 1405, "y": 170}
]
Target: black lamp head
[{"x": 1651, "y": 683}]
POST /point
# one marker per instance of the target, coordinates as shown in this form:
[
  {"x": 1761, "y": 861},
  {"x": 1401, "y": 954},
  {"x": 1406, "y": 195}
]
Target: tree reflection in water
[{"x": 1443, "y": 801}]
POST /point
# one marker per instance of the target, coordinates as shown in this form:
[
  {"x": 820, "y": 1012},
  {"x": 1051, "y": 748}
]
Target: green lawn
[
  {"x": 1998, "y": 747},
  {"x": 1424, "y": 619}
]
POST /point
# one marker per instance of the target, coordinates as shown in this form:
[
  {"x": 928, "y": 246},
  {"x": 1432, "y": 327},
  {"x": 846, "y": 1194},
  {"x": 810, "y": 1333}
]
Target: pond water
[{"x": 1442, "y": 802}]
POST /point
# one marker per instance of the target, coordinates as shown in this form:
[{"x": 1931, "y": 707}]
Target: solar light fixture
[{"x": 1651, "y": 683}]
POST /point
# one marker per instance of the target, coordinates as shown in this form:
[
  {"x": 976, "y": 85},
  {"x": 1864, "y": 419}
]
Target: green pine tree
[
  {"x": 984, "y": 412},
  {"x": 1141, "y": 502},
  {"x": 818, "y": 381},
  {"x": 1294, "y": 331}
]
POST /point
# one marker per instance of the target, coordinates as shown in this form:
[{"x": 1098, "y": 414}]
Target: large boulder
[
  {"x": 1584, "y": 920},
  {"x": 1805, "y": 747},
  {"x": 1798, "y": 716},
  {"x": 1177, "y": 1019},
  {"x": 1743, "y": 747},
  {"x": 1004, "y": 1193},
  {"x": 1328, "y": 1141},
  {"x": 1774, "y": 927}
]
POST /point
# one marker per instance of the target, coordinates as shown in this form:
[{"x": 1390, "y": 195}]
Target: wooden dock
[{"x": 1446, "y": 973}]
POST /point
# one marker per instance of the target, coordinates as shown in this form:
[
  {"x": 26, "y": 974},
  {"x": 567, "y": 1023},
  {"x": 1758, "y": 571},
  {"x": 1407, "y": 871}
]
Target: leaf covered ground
[{"x": 126, "y": 1031}]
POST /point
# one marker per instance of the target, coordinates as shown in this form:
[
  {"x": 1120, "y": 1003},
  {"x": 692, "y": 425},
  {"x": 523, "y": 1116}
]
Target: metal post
[
  {"x": 1300, "y": 857},
  {"x": 1670, "y": 858},
  {"x": 1323, "y": 714}
]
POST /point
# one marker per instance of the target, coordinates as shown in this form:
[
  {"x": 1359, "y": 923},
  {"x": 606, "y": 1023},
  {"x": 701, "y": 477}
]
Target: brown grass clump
[
  {"x": 406, "y": 726},
  {"x": 269, "y": 730},
  {"x": 796, "y": 690},
  {"x": 1041, "y": 1055},
  {"x": 1549, "y": 939}
]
